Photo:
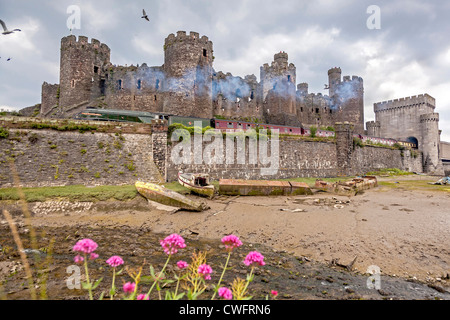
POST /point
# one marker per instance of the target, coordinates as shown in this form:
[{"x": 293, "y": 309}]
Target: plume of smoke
[{"x": 231, "y": 88}]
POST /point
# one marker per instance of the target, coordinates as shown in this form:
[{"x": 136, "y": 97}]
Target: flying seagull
[
  {"x": 145, "y": 16},
  {"x": 5, "y": 29}
]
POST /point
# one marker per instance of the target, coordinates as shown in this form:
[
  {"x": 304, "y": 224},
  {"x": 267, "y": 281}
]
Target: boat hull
[
  {"x": 168, "y": 197},
  {"x": 186, "y": 181}
]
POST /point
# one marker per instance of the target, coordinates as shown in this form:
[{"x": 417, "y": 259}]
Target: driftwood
[{"x": 349, "y": 267}]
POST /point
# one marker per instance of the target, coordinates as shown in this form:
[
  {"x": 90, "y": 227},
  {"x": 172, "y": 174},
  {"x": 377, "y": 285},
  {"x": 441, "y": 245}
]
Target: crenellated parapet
[
  {"x": 193, "y": 37},
  {"x": 422, "y": 100},
  {"x": 83, "y": 43},
  {"x": 430, "y": 117}
]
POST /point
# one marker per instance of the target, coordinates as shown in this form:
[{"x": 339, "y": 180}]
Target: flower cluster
[
  {"x": 172, "y": 243},
  {"x": 85, "y": 246},
  {"x": 205, "y": 271},
  {"x": 225, "y": 293},
  {"x": 231, "y": 242},
  {"x": 182, "y": 264},
  {"x": 254, "y": 257},
  {"x": 115, "y": 261},
  {"x": 198, "y": 270}
]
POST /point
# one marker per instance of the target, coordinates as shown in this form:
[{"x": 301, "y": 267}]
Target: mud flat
[{"x": 316, "y": 246}]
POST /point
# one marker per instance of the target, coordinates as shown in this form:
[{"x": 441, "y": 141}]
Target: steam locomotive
[{"x": 95, "y": 114}]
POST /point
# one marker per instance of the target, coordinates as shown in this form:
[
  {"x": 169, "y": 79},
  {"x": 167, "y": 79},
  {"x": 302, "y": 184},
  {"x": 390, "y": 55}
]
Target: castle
[
  {"x": 188, "y": 85},
  {"x": 411, "y": 119}
]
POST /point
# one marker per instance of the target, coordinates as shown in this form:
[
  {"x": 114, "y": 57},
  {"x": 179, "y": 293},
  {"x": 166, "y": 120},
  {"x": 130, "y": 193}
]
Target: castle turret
[
  {"x": 302, "y": 89},
  {"x": 334, "y": 79},
  {"x": 373, "y": 128},
  {"x": 429, "y": 126},
  {"x": 188, "y": 68},
  {"x": 278, "y": 90},
  {"x": 81, "y": 70}
]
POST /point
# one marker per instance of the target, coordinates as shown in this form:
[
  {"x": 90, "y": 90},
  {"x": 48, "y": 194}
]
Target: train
[{"x": 95, "y": 114}]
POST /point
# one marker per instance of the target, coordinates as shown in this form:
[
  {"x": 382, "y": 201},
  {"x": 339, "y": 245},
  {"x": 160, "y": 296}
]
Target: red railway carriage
[{"x": 235, "y": 125}]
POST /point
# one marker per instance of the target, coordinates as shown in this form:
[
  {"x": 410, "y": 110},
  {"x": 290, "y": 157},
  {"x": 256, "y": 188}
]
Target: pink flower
[
  {"x": 225, "y": 293},
  {"x": 205, "y": 270},
  {"x": 114, "y": 261},
  {"x": 172, "y": 243},
  {"x": 93, "y": 256},
  {"x": 231, "y": 242},
  {"x": 85, "y": 246},
  {"x": 274, "y": 293},
  {"x": 142, "y": 297},
  {"x": 254, "y": 257},
  {"x": 78, "y": 259},
  {"x": 182, "y": 264},
  {"x": 129, "y": 287}
]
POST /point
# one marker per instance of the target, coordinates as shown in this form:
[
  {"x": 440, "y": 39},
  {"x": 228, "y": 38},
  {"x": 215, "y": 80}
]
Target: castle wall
[
  {"x": 45, "y": 157},
  {"x": 135, "y": 88},
  {"x": 49, "y": 97},
  {"x": 115, "y": 154},
  {"x": 297, "y": 158},
  {"x": 445, "y": 150}
]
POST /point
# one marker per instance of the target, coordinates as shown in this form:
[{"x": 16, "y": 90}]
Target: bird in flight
[
  {"x": 5, "y": 29},
  {"x": 145, "y": 16}
]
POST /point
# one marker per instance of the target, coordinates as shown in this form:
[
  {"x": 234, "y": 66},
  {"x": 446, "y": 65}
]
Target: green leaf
[
  {"x": 86, "y": 285},
  {"x": 119, "y": 272},
  {"x": 96, "y": 283},
  {"x": 179, "y": 296}
]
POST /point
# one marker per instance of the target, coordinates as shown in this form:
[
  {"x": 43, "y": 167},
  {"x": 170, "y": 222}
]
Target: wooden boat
[
  {"x": 197, "y": 183},
  {"x": 168, "y": 197}
]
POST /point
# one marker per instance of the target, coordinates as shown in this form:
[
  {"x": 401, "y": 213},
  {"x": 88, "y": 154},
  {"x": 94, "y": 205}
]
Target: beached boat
[
  {"x": 197, "y": 183},
  {"x": 168, "y": 197}
]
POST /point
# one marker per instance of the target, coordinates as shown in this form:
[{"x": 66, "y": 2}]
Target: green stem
[
  {"x": 160, "y": 273},
  {"x": 248, "y": 279},
  {"x": 87, "y": 277},
  {"x": 221, "y": 276},
  {"x": 112, "y": 285},
  {"x": 176, "y": 289}
]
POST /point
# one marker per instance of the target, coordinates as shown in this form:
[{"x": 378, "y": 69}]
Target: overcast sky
[{"x": 408, "y": 55}]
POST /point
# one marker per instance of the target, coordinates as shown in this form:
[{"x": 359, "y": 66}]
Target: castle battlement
[
  {"x": 373, "y": 124},
  {"x": 334, "y": 70},
  {"x": 406, "y": 102},
  {"x": 430, "y": 117},
  {"x": 182, "y": 36},
  {"x": 71, "y": 41}
]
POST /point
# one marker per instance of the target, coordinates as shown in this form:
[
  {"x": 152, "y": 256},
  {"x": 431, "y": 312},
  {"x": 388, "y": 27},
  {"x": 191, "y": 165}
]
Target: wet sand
[{"x": 404, "y": 232}]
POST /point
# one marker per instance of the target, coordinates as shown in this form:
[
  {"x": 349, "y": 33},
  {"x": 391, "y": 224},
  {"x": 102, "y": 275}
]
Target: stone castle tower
[
  {"x": 347, "y": 97},
  {"x": 188, "y": 70},
  {"x": 411, "y": 119},
  {"x": 81, "y": 70},
  {"x": 278, "y": 91}
]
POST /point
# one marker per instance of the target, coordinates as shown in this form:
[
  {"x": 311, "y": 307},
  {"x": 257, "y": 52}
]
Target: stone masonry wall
[
  {"x": 297, "y": 158},
  {"x": 45, "y": 157}
]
